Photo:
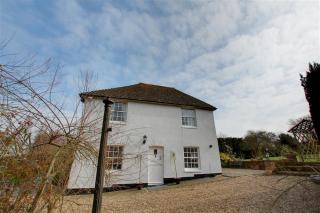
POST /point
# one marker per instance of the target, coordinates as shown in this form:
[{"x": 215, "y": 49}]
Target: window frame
[
  {"x": 191, "y": 162},
  {"x": 125, "y": 112},
  {"x": 182, "y": 118},
  {"x": 116, "y": 159}
]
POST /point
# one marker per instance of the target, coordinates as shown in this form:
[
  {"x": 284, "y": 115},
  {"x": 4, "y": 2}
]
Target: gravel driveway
[{"x": 236, "y": 190}]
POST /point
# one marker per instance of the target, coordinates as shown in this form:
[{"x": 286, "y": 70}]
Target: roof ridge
[
  {"x": 102, "y": 90},
  {"x": 137, "y": 84},
  {"x": 153, "y": 85},
  {"x": 150, "y": 92}
]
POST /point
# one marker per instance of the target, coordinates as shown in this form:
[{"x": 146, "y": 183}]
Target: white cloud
[
  {"x": 257, "y": 85},
  {"x": 242, "y": 56}
]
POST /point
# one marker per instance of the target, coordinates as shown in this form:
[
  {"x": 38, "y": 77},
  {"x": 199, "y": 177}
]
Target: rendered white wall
[{"x": 162, "y": 125}]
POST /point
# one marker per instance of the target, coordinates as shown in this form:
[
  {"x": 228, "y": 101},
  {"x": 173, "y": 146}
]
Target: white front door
[{"x": 155, "y": 165}]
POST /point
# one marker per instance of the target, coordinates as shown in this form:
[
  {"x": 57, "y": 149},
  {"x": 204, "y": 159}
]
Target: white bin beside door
[{"x": 155, "y": 165}]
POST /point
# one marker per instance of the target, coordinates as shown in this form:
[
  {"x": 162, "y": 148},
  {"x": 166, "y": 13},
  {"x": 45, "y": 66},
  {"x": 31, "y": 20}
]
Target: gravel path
[{"x": 236, "y": 190}]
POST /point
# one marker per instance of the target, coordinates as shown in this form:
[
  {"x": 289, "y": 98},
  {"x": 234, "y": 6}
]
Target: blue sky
[{"x": 244, "y": 57}]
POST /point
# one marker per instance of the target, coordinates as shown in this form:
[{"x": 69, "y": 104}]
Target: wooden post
[{"x": 97, "y": 199}]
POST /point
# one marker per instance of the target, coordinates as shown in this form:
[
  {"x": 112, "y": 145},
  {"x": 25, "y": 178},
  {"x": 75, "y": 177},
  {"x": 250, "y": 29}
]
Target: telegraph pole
[{"x": 97, "y": 199}]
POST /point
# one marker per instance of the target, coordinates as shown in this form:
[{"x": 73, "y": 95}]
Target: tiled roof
[{"x": 150, "y": 93}]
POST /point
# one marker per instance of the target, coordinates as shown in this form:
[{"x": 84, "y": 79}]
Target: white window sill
[
  {"x": 189, "y": 127},
  {"x": 193, "y": 170},
  {"x": 115, "y": 170},
  {"x": 118, "y": 122}
]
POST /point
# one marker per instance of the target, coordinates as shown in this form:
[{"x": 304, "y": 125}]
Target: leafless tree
[
  {"x": 40, "y": 140},
  {"x": 34, "y": 170}
]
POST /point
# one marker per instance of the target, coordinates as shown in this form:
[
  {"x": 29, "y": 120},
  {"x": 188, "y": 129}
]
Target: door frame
[{"x": 162, "y": 170}]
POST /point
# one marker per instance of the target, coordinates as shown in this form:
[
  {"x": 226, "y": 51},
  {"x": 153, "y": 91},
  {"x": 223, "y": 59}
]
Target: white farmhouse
[{"x": 158, "y": 134}]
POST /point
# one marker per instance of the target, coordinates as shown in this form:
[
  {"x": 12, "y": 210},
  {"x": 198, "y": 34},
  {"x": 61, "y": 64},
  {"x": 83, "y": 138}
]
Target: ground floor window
[
  {"x": 191, "y": 158},
  {"x": 114, "y": 156}
]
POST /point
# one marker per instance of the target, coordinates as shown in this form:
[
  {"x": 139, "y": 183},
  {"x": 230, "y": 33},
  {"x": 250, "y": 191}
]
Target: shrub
[{"x": 225, "y": 157}]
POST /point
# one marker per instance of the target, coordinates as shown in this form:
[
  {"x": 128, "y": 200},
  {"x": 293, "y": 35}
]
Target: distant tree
[
  {"x": 258, "y": 142},
  {"x": 311, "y": 85},
  {"x": 230, "y": 145},
  {"x": 255, "y": 144},
  {"x": 246, "y": 150},
  {"x": 286, "y": 139},
  {"x": 223, "y": 146}
]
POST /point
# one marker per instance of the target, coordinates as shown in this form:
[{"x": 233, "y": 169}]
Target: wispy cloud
[{"x": 243, "y": 57}]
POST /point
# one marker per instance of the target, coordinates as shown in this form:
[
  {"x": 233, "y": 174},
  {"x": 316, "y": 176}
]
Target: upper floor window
[
  {"x": 189, "y": 117},
  {"x": 118, "y": 112}
]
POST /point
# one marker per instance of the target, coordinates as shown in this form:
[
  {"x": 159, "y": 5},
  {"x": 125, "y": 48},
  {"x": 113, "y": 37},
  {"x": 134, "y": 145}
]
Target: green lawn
[
  {"x": 308, "y": 158},
  {"x": 270, "y": 158},
  {"x": 276, "y": 158}
]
